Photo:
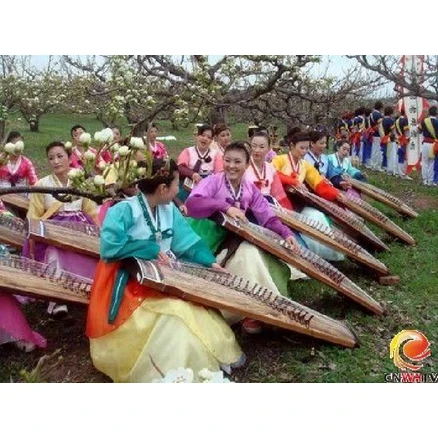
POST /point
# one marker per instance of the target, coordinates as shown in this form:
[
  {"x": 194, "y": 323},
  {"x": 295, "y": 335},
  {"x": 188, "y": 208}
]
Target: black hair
[
  {"x": 388, "y": 110},
  {"x": 316, "y": 135},
  {"x": 262, "y": 134},
  {"x": 339, "y": 143},
  {"x": 203, "y": 128},
  {"x": 73, "y": 129},
  {"x": 164, "y": 173},
  {"x": 54, "y": 144},
  {"x": 295, "y": 135},
  {"x": 359, "y": 111},
  {"x": 256, "y": 129},
  {"x": 239, "y": 146},
  {"x": 378, "y": 105},
  {"x": 433, "y": 110},
  {"x": 220, "y": 127},
  {"x": 13, "y": 135}
]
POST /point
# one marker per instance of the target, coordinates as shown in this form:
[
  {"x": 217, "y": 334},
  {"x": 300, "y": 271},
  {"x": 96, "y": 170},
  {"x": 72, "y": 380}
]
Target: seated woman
[
  {"x": 157, "y": 149},
  {"x": 43, "y": 206},
  {"x": 339, "y": 164},
  {"x": 295, "y": 171},
  {"x": 13, "y": 324},
  {"x": 316, "y": 153},
  {"x": 78, "y": 150},
  {"x": 148, "y": 329},
  {"x": 198, "y": 161},
  {"x": 18, "y": 170},
  {"x": 257, "y": 129},
  {"x": 221, "y": 139},
  {"x": 263, "y": 174},
  {"x": 231, "y": 193}
]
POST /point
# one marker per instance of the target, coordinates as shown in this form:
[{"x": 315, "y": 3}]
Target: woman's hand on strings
[
  {"x": 183, "y": 210},
  {"x": 345, "y": 185},
  {"x": 292, "y": 242},
  {"x": 163, "y": 257},
  {"x": 303, "y": 187},
  {"x": 218, "y": 267},
  {"x": 237, "y": 214},
  {"x": 196, "y": 178}
]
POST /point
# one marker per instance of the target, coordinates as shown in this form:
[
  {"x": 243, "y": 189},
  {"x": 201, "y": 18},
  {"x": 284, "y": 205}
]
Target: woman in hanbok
[
  {"x": 13, "y": 324},
  {"x": 295, "y": 171},
  {"x": 157, "y": 149},
  {"x": 145, "y": 332},
  {"x": 43, "y": 206},
  {"x": 339, "y": 165},
  {"x": 78, "y": 150},
  {"x": 18, "y": 170},
  {"x": 231, "y": 193},
  {"x": 199, "y": 161},
  {"x": 262, "y": 173},
  {"x": 316, "y": 153}
]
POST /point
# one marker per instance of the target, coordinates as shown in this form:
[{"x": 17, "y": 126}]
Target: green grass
[
  {"x": 277, "y": 355},
  {"x": 57, "y": 127}
]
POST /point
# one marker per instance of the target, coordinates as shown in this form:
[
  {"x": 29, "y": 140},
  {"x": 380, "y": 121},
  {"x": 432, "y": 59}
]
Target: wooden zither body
[
  {"x": 301, "y": 258},
  {"x": 12, "y": 231},
  {"x": 375, "y": 216},
  {"x": 348, "y": 221},
  {"x": 17, "y": 203},
  {"x": 329, "y": 236},
  {"x": 79, "y": 237},
  {"x": 383, "y": 197},
  {"x": 318, "y": 231},
  {"x": 23, "y": 276},
  {"x": 235, "y": 294}
]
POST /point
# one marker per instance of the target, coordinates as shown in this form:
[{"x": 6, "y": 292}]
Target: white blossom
[
  {"x": 75, "y": 173},
  {"x": 115, "y": 147},
  {"x": 102, "y": 165},
  {"x": 68, "y": 145},
  {"x": 99, "y": 180},
  {"x": 98, "y": 137},
  {"x": 106, "y": 135},
  {"x": 137, "y": 143},
  {"x": 123, "y": 151},
  {"x": 85, "y": 138},
  {"x": 19, "y": 146},
  {"x": 88, "y": 155},
  {"x": 10, "y": 148}
]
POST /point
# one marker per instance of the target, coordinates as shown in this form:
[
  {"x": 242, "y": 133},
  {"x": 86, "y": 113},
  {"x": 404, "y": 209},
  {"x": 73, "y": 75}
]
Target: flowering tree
[
  {"x": 389, "y": 67},
  {"x": 32, "y": 91},
  {"x": 183, "y": 88}
]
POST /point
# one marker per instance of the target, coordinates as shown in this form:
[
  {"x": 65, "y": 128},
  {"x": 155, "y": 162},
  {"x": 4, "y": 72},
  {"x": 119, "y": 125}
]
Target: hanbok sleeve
[
  {"x": 265, "y": 216},
  {"x": 90, "y": 207},
  {"x": 204, "y": 201},
  {"x": 320, "y": 185},
  {"x": 218, "y": 165},
  {"x": 279, "y": 163},
  {"x": 116, "y": 244},
  {"x": 183, "y": 164},
  {"x": 277, "y": 191},
  {"x": 31, "y": 175},
  {"x": 186, "y": 244},
  {"x": 36, "y": 205}
]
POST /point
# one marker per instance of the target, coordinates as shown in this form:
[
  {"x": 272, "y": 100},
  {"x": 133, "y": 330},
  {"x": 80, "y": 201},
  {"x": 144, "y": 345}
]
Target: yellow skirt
[{"x": 165, "y": 334}]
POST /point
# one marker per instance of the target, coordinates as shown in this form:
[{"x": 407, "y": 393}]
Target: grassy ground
[{"x": 277, "y": 355}]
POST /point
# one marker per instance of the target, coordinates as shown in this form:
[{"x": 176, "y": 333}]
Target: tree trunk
[
  {"x": 140, "y": 128},
  {"x": 34, "y": 125},
  {"x": 2, "y": 129},
  {"x": 218, "y": 114}
]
